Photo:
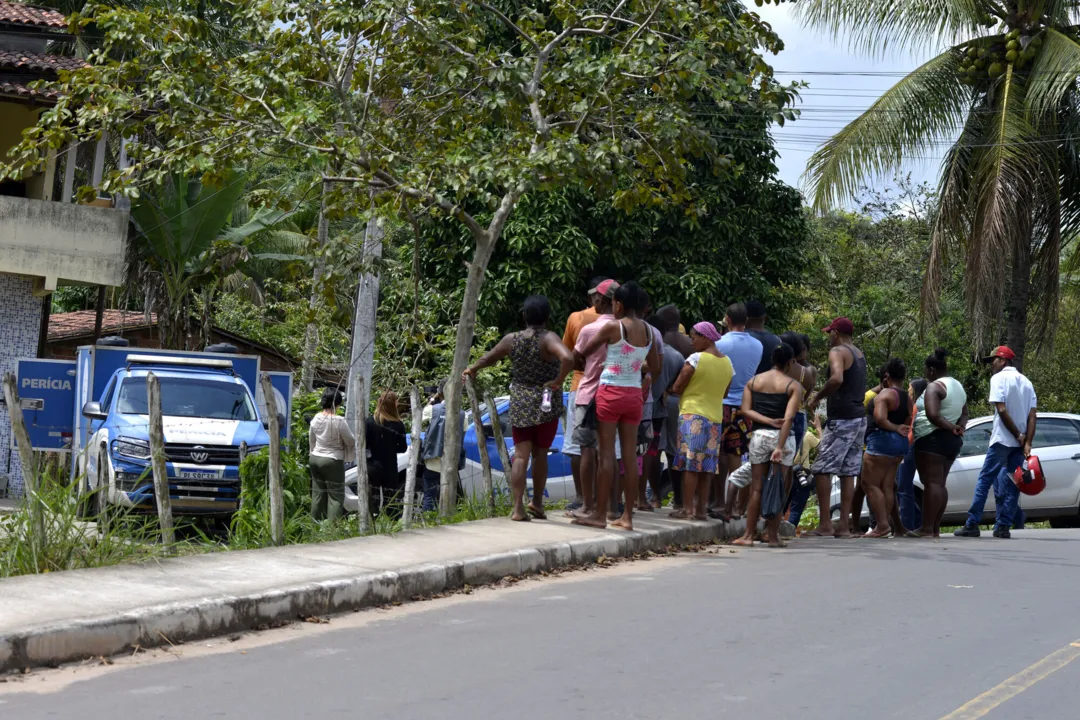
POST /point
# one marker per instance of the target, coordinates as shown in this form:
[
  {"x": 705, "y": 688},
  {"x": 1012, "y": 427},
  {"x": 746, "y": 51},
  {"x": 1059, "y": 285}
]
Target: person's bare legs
[
  {"x": 753, "y": 507},
  {"x": 605, "y": 473},
  {"x": 874, "y": 468},
  {"x": 823, "y": 485},
  {"x": 727, "y": 465},
  {"x": 888, "y": 490},
  {"x": 855, "y": 517},
  {"x": 847, "y": 492},
  {"x": 540, "y": 472},
  {"x": 588, "y": 464},
  {"x": 947, "y": 467},
  {"x": 518, "y": 469},
  {"x": 704, "y": 484},
  {"x": 628, "y": 437},
  {"x": 575, "y": 471},
  {"x": 647, "y": 463},
  {"x": 690, "y": 483},
  {"x": 931, "y": 472}
]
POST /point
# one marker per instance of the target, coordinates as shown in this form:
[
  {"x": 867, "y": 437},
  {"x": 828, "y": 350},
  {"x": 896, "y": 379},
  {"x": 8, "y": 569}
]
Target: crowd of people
[
  {"x": 736, "y": 410},
  {"x": 731, "y": 406}
]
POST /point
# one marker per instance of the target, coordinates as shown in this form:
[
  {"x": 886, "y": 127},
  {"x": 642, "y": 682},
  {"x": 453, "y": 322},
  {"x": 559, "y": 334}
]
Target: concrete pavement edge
[{"x": 174, "y": 623}]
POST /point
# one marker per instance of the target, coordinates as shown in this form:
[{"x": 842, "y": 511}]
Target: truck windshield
[{"x": 189, "y": 397}]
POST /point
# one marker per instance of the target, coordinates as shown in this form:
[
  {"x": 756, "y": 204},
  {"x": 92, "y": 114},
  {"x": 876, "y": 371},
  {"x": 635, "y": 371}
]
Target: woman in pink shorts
[{"x": 630, "y": 357}]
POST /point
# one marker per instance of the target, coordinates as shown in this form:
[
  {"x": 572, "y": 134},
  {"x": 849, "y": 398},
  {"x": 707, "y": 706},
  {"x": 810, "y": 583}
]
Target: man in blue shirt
[{"x": 744, "y": 351}]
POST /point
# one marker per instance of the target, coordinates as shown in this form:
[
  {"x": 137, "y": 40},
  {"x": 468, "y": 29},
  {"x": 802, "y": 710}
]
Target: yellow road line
[{"x": 1017, "y": 684}]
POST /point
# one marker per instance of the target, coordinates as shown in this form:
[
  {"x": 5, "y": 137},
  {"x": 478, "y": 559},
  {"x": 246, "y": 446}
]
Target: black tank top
[
  {"x": 847, "y": 402},
  {"x": 899, "y": 416},
  {"x": 771, "y": 405}
]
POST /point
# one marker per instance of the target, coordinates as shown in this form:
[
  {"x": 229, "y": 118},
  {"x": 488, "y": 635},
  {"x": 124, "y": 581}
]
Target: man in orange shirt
[{"x": 574, "y": 324}]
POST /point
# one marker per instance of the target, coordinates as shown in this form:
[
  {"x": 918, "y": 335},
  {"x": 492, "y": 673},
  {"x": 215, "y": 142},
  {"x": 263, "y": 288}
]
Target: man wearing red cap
[
  {"x": 1014, "y": 401},
  {"x": 841, "y": 449}
]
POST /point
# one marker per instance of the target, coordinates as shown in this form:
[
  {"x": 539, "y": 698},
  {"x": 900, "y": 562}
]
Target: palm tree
[
  {"x": 194, "y": 241},
  {"x": 1004, "y": 94}
]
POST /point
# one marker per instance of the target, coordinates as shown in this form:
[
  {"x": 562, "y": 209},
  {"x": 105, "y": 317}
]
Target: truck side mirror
[{"x": 93, "y": 411}]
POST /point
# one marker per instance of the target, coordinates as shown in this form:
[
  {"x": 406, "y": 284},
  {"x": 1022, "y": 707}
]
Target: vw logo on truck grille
[{"x": 199, "y": 454}]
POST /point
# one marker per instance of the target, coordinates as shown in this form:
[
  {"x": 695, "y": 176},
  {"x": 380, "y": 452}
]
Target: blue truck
[{"x": 96, "y": 409}]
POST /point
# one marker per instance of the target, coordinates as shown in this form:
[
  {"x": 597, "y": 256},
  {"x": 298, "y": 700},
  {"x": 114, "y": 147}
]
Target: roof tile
[
  {"x": 80, "y": 323},
  {"x": 34, "y": 62},
  {"x": 21, "y": 14}
]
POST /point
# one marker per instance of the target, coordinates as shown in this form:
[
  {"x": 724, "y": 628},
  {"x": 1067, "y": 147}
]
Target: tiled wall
[{"x": 20, "y": 323}]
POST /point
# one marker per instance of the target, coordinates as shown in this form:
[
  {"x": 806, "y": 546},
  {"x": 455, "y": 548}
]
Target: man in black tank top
[{"x": 841, "y": 448}]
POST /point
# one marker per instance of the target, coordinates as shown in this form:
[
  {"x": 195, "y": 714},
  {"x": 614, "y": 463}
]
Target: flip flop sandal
[
  {"x": 524, "y": 519},
  {"x": 817, "y": 533},
  {"x": 538, "y": 514}
]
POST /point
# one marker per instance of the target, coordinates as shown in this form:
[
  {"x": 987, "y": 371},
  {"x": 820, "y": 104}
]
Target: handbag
[{"x": 772, "y": 493}]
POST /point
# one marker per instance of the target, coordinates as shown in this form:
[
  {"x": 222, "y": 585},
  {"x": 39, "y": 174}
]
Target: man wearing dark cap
[
  {"x": 755, "y": 327},
  {"x": 841, "y": 449},
  {"x": 574, "y": 324},
  {"x": 1014, "y": 401}
]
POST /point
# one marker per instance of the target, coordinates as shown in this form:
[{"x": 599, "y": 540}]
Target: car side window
[
  {"x": 1051, "y": 432},
  {"x": 107, "y": 396},
  {"x": 976, "y": 440},
  {"x": 504, "y": 422}
]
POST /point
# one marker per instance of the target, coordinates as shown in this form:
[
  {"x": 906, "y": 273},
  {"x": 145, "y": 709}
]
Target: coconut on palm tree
[{"x": 1004, "y": 93}]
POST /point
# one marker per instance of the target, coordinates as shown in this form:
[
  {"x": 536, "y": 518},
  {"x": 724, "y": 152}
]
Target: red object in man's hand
[{"x": 1029, "y": 477}]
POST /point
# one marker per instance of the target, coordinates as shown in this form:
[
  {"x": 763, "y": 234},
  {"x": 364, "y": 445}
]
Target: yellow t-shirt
[
  {"x": 704, "y": 395},
  {"x": 868, "y": 398},
  {"x": 809, "y": 444}
]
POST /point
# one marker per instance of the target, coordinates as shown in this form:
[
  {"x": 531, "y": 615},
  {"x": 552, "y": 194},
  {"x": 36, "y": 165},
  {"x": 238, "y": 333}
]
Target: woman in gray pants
[{"x": 331, "y": 445}]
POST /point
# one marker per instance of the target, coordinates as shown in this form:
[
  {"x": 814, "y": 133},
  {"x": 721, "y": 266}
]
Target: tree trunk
[
  {"x": 462, "y": 350},
  {"x": 1019, "y": 294},
  {"x": 362, "y": 354},
  {"x": 311, "y": 333}
]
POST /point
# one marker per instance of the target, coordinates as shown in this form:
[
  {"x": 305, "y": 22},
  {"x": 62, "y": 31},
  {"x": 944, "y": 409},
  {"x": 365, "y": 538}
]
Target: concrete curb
[{"x": 53, "y": 644}]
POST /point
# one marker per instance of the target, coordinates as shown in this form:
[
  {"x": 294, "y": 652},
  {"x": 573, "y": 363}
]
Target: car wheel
[{"x": 1065, "y": 522}]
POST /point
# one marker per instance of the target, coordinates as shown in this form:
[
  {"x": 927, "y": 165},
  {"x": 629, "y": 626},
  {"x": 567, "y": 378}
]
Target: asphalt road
[{"x": 825, "y": 629}]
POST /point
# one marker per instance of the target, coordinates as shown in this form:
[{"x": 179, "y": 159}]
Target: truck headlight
[{"x": 132, "y": 448}]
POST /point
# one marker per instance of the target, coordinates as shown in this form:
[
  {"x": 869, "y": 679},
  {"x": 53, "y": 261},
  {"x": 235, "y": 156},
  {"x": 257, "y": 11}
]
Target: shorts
[
  {"x": 584, "y": 436},
  {"x": 742, "y": 476},
  {"x": 569, "y": 446},
  {"x": 736, "y": 431},
  {"x": 940, "y": 442},
  {"x": 700, "y": 442},
  {"x": 885, "y": 443},
  {"x": 657, "y": 439},
  {"x": 540, "y": 436},
  {"x": 763, "y": 442},
  {"x": 841, "y": 449},
  {"x": 619, "y": 405}
]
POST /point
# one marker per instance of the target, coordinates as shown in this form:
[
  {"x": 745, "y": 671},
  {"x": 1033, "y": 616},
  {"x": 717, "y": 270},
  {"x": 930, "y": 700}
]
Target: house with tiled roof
[{"x": 47, "y": 239}]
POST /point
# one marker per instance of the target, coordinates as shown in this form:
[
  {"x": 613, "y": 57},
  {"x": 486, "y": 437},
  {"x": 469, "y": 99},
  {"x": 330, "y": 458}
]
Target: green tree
[
  {"x": 1004, "y": 94},
  {"x": 425, "y": 105}
]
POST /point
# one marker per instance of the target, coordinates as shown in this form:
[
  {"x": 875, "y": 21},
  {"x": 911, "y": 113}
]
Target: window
[
  {"x": 1051, "y": 432},
  {"x": 976, "y": 440},
  {"x": 190, "y": 397},
  {"x": 504, "y": 422},
  {"x": 107, "y": 396}
]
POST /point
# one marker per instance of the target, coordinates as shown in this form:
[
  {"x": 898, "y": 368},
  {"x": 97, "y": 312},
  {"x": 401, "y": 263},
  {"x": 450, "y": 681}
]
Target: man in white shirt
[{"x": 1013, "y": 398}]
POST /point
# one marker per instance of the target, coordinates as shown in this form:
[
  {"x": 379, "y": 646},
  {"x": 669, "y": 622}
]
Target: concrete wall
[
  {"x": 20, "y": 323},
  {"x": 58, "y": 241}
]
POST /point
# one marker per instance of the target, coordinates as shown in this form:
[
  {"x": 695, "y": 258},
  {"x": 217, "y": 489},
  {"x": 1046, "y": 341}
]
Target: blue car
[{"x": 208, "y": 413}]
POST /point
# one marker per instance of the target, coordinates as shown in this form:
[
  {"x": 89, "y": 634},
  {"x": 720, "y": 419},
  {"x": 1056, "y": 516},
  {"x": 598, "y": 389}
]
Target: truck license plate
[{"x": 200, "y": 474}]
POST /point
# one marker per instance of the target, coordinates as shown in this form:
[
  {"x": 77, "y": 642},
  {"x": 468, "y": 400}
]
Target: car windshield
[{"x": 189, "y": 397}]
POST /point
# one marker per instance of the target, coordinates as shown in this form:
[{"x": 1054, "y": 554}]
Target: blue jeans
[
  {"x": 997, "y": 471},
  {"x": 799, "y": 495},
  {"x": 432, "y": 481},
  {"x": 798, "y": 430},
  {"x": 910, "y": 513}
]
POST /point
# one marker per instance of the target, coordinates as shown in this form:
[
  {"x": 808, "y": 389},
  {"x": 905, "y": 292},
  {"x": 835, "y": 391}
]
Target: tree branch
[{"x": 510, "y": 23}]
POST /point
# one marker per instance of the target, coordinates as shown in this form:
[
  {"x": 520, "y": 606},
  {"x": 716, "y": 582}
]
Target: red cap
[
  {"x": 1002, "y": 352},
  {"x": 841, "y": 325},
  {"x": 607, "y": 288}
]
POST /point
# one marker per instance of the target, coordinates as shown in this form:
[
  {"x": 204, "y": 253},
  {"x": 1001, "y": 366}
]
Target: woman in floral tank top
[{"x": 539, "y": 362}]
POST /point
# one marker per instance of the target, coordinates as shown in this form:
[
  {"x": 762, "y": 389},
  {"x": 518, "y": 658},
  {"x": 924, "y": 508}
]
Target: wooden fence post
[
  {"x": 26, "y": 458},
  {"x": 277, "y": 504},
  {"x": 481, "y": 442},
  {"x": 500, "y": 443},
  {"x": 363, "y": 485},
  {"x": 157, "y": 460},
  {"x": 414, "y": 456}
]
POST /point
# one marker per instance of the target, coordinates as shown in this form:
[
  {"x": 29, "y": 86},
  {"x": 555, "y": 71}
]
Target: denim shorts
[{"x": 886, "y": 444}]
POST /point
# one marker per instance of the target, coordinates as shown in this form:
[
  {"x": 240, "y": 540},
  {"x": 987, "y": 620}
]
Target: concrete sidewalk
[{"x": 59, "y": 617}]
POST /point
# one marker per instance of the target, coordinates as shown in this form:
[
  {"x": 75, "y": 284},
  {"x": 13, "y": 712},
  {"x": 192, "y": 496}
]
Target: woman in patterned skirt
[
  {"x": 701, "y": 387},
  {"x": 538, "y": 362}
]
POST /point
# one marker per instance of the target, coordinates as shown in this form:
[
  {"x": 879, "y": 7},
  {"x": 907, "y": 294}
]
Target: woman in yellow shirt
[{"x": 701, "y": 386}]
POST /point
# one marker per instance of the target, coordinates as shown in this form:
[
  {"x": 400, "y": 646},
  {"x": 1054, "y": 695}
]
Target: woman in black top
[
  {"x": 887, "y": 429},
  {"x": 385, "y": 436},
  {"x": 771, "y": 401}
]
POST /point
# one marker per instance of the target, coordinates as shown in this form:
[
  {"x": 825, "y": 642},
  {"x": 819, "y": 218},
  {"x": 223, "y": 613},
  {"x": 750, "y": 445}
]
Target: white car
[{"x": 1057, "y": 445}]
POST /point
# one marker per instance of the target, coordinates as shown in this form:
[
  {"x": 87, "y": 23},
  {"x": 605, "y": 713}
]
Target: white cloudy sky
[{"x": 831, "y": 100}]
